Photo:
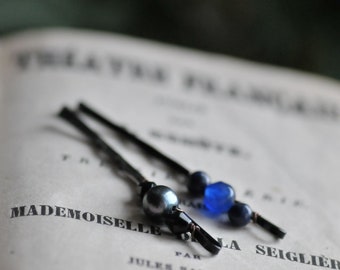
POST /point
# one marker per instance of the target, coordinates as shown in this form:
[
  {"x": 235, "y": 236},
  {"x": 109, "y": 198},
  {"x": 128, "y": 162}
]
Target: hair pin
[
  {"x": 159, "y": 202},
  {"x": 219, "y": 197}
]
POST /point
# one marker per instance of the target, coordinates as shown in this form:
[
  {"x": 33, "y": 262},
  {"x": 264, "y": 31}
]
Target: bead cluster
[
  {"x": 219, "y": 198},
  {"x": 159, "y": 203}
]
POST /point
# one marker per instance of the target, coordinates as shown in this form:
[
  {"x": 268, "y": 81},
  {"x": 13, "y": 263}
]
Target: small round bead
[
  {"x": 159, "y": 202},
  {"x": 219, "y": 197},
  {"x": 197, "y": 183},
  {"x": 240, "y": 214}
]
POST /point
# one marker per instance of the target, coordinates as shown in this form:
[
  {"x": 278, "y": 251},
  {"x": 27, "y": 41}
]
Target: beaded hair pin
[
  {"x": 219, "y": 197},
  {"x": 159, "y": 202}
]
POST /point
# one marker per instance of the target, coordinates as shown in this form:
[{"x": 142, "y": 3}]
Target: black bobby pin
[
  {"x": 159, "y": 202},
  {"x": 146, "y": 147},
  {"x": 219, "y": 197}
]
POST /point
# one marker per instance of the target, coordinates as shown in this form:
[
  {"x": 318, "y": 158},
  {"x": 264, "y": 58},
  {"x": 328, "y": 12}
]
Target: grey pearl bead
[{"x": 159, "y": 202}]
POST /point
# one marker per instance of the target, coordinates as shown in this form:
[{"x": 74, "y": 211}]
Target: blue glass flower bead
[
  {"x": 219, "y": 197},
  {"x": 197, "y": 183},
  {"x": 240, "y": 214}
]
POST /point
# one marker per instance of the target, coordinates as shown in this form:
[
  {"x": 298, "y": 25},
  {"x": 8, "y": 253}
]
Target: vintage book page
[{"x": 273, "y": 134}]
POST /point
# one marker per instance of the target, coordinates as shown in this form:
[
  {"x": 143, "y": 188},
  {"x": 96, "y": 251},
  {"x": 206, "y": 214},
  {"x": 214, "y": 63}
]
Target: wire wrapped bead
[
  {"x": 197, "y": 183},
  {"x": 219, "y": 197},
  {"x": 240, "y": 214},
  {"x": 159, "y": 202}
]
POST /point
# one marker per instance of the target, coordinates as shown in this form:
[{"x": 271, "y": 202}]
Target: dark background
[{"x": 301, "y": 34}]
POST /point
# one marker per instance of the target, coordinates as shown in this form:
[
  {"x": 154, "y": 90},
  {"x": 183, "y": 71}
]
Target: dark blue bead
[
  {"x": 240, "y": 214},
  {"x": 219, "y": 197},
  {"x": 197, "y": 183}
]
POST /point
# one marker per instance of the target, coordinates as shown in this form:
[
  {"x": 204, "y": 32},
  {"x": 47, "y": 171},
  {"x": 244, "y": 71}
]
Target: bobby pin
[
  {"x": 159, "y": 202},
  {"x": 219, "y": 197}
]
